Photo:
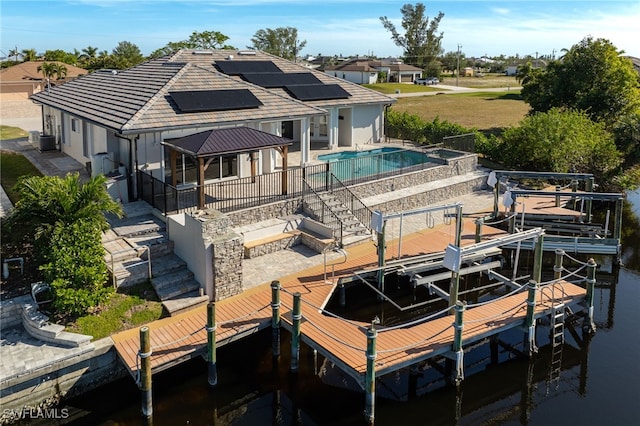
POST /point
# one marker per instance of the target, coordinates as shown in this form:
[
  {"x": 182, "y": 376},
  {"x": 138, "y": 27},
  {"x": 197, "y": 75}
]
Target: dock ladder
[{"x": 557, "y": 331}]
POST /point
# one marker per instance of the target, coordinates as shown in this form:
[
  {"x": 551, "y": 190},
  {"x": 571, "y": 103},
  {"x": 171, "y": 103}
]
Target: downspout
[{"x": 133, "y": 164}]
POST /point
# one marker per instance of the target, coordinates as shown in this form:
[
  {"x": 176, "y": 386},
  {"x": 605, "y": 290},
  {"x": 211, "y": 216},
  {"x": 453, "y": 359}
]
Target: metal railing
[
  {"x": 316, "y": 207},
  {"x": 240, "y": 193},
  {"x": 140, "y": 250},
  {"x": 349, "y": 199}
]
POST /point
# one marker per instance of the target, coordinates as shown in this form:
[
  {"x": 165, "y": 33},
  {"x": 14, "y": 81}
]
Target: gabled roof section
[
  {"x": 224, "y": 141},
  {"x": 138, "y": 99}
]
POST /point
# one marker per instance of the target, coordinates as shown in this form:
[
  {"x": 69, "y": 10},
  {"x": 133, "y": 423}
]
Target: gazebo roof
[{"x": 226, "y": 141}]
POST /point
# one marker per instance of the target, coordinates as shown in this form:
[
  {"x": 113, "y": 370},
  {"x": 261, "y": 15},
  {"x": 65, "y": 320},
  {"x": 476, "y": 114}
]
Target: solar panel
[
  {"x": 279, "y": 79},
  {"x": 214, "y": 100},
  {"x": 236, "y": 67},
  {"x": 317, "y": 92}
]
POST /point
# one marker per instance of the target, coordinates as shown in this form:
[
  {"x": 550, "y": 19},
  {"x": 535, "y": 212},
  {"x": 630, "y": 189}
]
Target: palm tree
[
  {"x": 90, "y": 52},
  {"x": 29, "y": 55},
  {"x": 48, "y": 201},
  {"x": 48, "y": 70},
  {"x": 15, "y": 53},
  {"x": 61, "y": 71}
]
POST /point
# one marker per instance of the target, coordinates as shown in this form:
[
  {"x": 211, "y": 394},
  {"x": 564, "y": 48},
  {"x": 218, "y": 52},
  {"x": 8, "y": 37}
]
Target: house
[
  {"x": 359, "y": 71},
  {"x": 23, "y": 80},
  {"x": 511, "y": 70},
  {"x": 132, "y": 120},
  {"x": 365, "y": 71}
]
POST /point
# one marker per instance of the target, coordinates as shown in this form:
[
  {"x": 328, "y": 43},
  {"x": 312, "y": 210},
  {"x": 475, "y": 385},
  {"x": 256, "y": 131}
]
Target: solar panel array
[
  {"x": 317, "y": 92},
  {"x": 214, "y": 100},
  {"x": 242, "y": 67},
  {"x": 304, "y": 86}
]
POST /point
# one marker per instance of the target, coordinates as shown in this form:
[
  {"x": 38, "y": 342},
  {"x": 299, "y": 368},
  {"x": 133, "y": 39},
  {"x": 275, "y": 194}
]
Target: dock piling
[
  {"x": 145, "y": 372},
  {"x": 457, "y": 342},
  {"x": 479, "y": 222},
  {"x": 295, "y": 332},
  {"x": 531, "y": 320},
  {"x": 275, "y": 318},
  {"x": 590, "y": 325},
  {"x": 212, "y": 368},
  {"x": 557, "y": 266},
  {"x": 370, "y": 378}
]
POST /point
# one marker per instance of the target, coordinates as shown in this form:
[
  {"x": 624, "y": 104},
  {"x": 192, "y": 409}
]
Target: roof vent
[
  {"x": 247, "y": 52},
  {"x": 202, "y": 52},
  {"x": 230, "y": 58}
]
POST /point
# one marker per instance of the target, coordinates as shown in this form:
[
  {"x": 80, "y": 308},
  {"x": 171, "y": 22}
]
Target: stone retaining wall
[{"x": 431, "y": 197}]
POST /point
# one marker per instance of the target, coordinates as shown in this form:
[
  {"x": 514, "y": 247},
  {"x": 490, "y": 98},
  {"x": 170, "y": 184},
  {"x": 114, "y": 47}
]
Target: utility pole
[{"x": 458, "y": 64}]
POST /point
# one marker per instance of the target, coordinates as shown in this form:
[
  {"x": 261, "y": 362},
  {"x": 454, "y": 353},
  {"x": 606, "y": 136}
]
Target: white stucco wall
[
  {"x": 186, "y": 233},
  {"x": 367, "y": 124}
]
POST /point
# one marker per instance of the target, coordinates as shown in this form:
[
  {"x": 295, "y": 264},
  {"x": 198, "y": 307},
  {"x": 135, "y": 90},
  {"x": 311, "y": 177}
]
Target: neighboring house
[
  {"x": 358, "y": 71},
  {"x": 139, "y": 118},
  {"x": 365, "y": 71},
  {"x": 511, "y": 70},
  {"x": 23, "y": 80}
]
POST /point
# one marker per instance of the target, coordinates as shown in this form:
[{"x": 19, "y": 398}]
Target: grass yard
[
  {"x": 123, "y": 311},
  {"x": 486, "y": 82},
  {"x": 12, "y": 166},
  {"x": 485, "y": 111},
  {"x": 8, "y": 132},
  {"x": 391, "y": 88}
]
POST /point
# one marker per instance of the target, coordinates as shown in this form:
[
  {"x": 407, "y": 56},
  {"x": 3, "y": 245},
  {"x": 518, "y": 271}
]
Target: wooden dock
[{"x": 178, "y": 338}]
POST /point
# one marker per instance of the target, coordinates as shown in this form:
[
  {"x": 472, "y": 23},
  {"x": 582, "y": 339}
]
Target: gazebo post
[
  {"x": 285, "y": 180},
  {"x": 174, "y": 174},
  {"x": 200, "y": 182},
  {"x": 253, "y": 158}
]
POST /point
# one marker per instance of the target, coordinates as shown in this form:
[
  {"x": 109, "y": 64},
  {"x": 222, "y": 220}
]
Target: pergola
[{"x": 234, "y": 140}]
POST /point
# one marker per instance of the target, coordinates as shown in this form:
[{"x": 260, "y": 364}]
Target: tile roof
[
  {"x": 137, "y": 99},
  {"x": 228, "y": 140}
]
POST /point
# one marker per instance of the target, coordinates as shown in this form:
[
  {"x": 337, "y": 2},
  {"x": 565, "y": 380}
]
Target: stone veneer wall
[
  {"x": 265, "y": 212},
  {"x": 454, "y": 167},
  {"x": 431, "y": 197},
  {"x": 227, "y": 251}
]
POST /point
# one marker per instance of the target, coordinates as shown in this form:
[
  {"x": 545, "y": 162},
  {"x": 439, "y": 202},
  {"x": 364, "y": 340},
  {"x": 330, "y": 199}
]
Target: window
[{"x": 215, "y": 168}]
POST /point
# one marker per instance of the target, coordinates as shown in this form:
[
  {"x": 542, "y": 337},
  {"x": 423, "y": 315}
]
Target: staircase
[
  {"x": 340, "y": 209},
  {"x": 137, "y": 244}
]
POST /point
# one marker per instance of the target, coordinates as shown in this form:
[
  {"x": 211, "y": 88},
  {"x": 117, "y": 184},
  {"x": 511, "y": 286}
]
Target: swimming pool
[{"x": 352, "y": 165}]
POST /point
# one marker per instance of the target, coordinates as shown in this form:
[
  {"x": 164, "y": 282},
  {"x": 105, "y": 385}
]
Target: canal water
[{"x": 598, "y": 382}]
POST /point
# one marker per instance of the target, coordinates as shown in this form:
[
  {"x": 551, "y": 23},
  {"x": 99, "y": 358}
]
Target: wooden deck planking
[{"x": 314, "y": 292}]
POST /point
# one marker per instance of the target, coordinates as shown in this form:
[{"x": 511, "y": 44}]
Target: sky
[{"x": 330, "y": 27}]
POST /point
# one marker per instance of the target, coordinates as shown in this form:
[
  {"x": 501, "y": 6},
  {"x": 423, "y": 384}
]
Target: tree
[
  {"x": 421, "y": 42},
  {"x": 29, "y": 55},
  {"x": 593, "y": 77},
  {"x": 282, "y": 42},
  {"x": 197, "y": 40},
  {"x": 48, "y": 69},
  {"x": 59, "y": 55},
  {"x": 560, "y": 141},
  {"x": 126, "y": 55}
]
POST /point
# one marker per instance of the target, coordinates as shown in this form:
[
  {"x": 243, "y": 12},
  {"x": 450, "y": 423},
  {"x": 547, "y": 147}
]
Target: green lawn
[
  {"x": 390, "y": 88},
  {"x": 122, "y": 311},
  {"x": 12, "y": 166},
  {"x": 8, "y": 132}
]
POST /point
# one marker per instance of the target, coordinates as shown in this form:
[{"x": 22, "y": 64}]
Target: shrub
[{"x": 75, "y": 267}]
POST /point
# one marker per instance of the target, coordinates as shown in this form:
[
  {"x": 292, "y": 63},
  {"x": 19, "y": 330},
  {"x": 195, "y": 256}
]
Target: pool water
[{"x": 351, "y": 165}]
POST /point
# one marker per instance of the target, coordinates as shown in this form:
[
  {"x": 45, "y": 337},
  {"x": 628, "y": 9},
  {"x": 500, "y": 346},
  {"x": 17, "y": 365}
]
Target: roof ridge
[{"x": 162, "y": 92}]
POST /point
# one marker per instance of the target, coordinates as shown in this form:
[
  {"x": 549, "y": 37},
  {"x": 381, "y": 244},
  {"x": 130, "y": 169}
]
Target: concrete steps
[{"x": 139, "y": 239}]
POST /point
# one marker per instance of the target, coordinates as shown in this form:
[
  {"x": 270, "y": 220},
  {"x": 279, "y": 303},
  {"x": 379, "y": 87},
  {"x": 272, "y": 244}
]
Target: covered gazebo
[{"x": 205, "y": 146}]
